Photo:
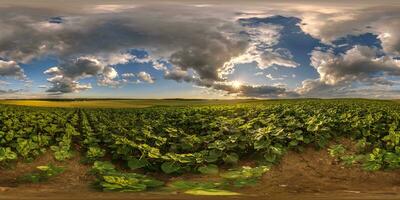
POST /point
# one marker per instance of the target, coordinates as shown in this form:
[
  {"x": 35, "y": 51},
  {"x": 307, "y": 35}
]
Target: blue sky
[{"x": 192, "y": 49}]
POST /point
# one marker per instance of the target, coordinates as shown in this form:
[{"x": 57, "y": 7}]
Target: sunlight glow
[{"x": 236, "y": 84}]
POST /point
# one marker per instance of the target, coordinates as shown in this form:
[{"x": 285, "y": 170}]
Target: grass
[{"x": 131, "y": 103}]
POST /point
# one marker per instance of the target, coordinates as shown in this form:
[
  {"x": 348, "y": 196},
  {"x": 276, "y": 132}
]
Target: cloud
[
  {"x": 116, "y": 58},
  {"x": 177, "y": 74},
  {"x": 9, "y": 91},
  {"x": 200, "y": 46},
  {"x": 206, "y": 57},
  {"x": 109, "y": 8},
  {"x": 188, "y": 42},
  {"x": 11, "y": 69},
  {"x": 146, "y": 77},
  {"x": 159, "y": 65},
  {"x": 316, "y": 88},
  {"x": 261, "y": 49},
  {"x": 258, "y": 91},
  {"x": 382, "y": 21},
  {"x": 359, "y": 65},
  {"x": 108, "y": 77},
  {"x": 140, "y": 77},
  {"x": 280, "y": 57},
  {"x": 390, "y": 36},
  {"x": 62, "y": 85},
  {"x": 43, "y": 86},
  {"x": 272, "y": 78},
  {"x": 230, "y": 88},
  {"x": 56, "y": 20},
  {"x": 128, "y": 75},
  {"x": 66, "y": 76}
]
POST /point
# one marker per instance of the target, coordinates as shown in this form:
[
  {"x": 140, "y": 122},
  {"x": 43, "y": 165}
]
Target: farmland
[
  {"x": 217, "y": 148},
  {"x": 121, "y": 103}
]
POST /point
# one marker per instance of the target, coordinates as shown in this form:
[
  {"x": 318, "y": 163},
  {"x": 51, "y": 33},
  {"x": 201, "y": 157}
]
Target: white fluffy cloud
[
  {"x": 146, "y": 77},
  {"x": 260, "y": 50},
  {"x": 108, "y": 77},
  {"x": 360, "y": 64},
  {"x": 383, "y": 21},
  {"x": 65, "y": 78},
  {"x": 138, "y": 77}
]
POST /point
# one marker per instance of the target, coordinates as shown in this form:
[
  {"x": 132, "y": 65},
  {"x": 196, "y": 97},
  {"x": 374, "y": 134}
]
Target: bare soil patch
[{"x": 310, "y": 174}]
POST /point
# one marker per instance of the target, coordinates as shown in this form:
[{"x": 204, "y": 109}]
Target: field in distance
[{"x": 120, "y": 103}]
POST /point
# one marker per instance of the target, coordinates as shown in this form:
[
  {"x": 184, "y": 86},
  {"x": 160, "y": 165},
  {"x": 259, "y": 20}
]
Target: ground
[{"x": 311, "y": 174}]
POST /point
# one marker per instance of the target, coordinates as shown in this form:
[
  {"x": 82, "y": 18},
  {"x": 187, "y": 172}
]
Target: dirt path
[{"x": 308, "y": 175}]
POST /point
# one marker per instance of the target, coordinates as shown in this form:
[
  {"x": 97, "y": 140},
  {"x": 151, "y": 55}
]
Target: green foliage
[
  {"x": 208, "y": 169},
  {"x": 94, "y": 153},
  {"x": 101, "y": 168},
  {"x": 110, "y": 179},
  {"x": 175, "y": 140},
  {"x": 231, "y": 158},
  {"x": 6, "y": 154},
  {"x": 62, "y": 153},
  {"x": 170, "y": 167},
  {"x": 127, "y": 182},
  {"x": 135, "y": 163},
  {"x": 336, "y": 151},
  {"x": 41, "y": 174},
  {"x": 244, "y": 176},
  {"x": 234, "y": 178}
]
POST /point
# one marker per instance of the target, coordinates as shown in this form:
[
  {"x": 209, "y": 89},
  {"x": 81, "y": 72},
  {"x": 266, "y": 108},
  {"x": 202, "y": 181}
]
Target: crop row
[{"x": 184, "y": 139}]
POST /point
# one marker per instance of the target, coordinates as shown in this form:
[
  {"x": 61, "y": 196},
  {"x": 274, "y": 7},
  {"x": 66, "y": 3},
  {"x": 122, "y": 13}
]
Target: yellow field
[{"x": 132, "y": 103}]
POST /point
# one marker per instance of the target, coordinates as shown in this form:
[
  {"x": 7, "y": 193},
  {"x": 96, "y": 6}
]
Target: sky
[{"x": 199, "y": 49}]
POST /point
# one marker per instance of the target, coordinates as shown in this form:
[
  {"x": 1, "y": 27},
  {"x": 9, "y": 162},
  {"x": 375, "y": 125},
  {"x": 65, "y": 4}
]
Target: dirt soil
[{"x": 308, "y": 175}]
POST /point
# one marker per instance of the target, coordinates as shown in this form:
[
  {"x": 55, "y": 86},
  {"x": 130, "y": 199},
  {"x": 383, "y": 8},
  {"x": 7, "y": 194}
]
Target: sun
[{"x": 236, "y": 84}]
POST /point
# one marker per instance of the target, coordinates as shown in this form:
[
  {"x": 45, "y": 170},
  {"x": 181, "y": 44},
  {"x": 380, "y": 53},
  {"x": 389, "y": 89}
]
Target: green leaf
[
  {"x": 231, "y": 158},
  {"x": 170, "y": 167},
  {"x": 213, "y": 156},
  {"x": 371, "y": 166},
  {"x": 7, "y": 154},
  {"x": 152, "y": 183},
  {"x": 336, "y": 151},
  {"x": 95, "y": 152},
  {"x": 103, "y": 167},
  {"x": 135, "y": 163},
  {"x": 43, "y": 173},
  {"x": 122, "y": 183}
]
